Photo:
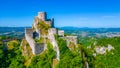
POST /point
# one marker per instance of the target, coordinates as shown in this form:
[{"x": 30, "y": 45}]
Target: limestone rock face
[
  {"x": 103, "y": 49},
  {"x": 110, "y": 47},
  {"x": 100, "y": 50}
]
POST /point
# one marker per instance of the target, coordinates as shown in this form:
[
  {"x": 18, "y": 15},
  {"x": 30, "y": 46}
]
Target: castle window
[{"x": 35, "y": 35}]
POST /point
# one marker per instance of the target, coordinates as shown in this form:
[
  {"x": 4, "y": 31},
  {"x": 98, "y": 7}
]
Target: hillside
[{"x": 44, "y": 46}]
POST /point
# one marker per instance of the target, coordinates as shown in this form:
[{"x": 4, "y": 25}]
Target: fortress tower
[{"x": 42, "y": 15}]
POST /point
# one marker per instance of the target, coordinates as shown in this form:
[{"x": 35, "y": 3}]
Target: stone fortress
[{"x": 34, "y": 32}]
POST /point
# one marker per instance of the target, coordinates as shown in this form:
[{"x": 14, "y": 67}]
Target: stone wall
[
  {"x": 31, "y": 42},
  {"x": 49, "y": 22},
  {"x": 54, "y": 30},
  {"x": 61, "y": 33},
  {"x": 29, "y": 32},
  {"x": 39, "y": 47},
  {"x": 42, "y": 15},
  {"x": 36, "y": 48},
  {"x": 72, "y": 39}
]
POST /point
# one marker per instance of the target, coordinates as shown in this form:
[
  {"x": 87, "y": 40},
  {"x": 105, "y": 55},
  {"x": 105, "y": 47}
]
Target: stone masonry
[
  {"x": 37, "y": 48},
  {"x": 72, "y": 39},
  {"x": 61, "y": 33},
  {"x": 32, "y": 33}
]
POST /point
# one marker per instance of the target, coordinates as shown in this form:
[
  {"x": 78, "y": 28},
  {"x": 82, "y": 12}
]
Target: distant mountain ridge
[
  {"x": 10, "y": 29},
  {"x": 91, "y": 29},
  {"x": 21, "y": 29}
]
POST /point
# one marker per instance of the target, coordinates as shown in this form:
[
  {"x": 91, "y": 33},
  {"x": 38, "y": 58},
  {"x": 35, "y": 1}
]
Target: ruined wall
[
  {"x": 72, "y": 39},
  {"x": 54, "y": 30},
  {"x": 52, "y": 24},
  {"x": 61, "y": 33},
  {"x": 29, "y": 32},
  {"x": 49, "y": 23},
  {"x": 36, "y": 21},
  {"x": 31, "y": 42},
  {"x": 36, "y": 48},
  {"x": 42, "y": 15},
  {"x": 40, "y": 47}
]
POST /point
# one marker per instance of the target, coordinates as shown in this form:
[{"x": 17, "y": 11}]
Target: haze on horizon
[{"x": 76, "y": 13}]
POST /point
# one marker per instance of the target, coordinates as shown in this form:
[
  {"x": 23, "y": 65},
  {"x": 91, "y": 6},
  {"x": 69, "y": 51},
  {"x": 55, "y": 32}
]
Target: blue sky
[{"x": 77, "y": 13}]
